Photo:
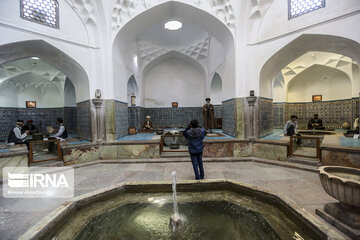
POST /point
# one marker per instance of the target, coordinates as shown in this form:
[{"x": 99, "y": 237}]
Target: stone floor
[{"x": 303, "y": 187}]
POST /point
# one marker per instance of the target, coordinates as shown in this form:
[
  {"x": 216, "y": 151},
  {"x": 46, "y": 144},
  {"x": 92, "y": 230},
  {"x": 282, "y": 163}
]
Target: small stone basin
[{"x": 342, "y": 183}]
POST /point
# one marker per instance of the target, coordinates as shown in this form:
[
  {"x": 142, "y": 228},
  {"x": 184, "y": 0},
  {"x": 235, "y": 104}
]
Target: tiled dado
[
  {"x": 265, "y": 116},
  {"x": 46, "y": 116},
  {"x": 84, "y": 120},
  {"x": 121, "y": 119},
  {"x": 333, "y": 113},
  {"x": 229, "y": 117},
  {"x": 168, "y": 117}
]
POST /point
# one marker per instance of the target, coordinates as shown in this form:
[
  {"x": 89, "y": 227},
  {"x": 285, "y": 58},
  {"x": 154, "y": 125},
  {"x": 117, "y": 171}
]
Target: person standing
[
  {"x": 15, "y": 136},
  {"x": 195, "y": 136},
  {"x": 209, "y": 115}
]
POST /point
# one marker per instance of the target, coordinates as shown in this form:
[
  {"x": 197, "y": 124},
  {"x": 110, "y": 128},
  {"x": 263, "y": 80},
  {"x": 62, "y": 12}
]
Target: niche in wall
[
  {"x": 132, "y": 90},
  {"x": 216, "y": 89}
]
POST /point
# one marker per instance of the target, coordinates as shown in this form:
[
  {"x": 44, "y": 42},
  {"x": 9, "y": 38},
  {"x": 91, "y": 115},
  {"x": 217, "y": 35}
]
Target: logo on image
[{"x": 36, "y": 182}]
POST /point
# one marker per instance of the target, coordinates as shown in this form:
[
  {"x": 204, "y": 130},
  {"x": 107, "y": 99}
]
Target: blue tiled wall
[
  {"x": 84, "y": 120},
  {"x": 228, "y": 117},
  {"x": 333, "y": 113},
  {"x": 265, "y": 116},
  {"x": 173, "y": 117},
  {"x": 167, "y": 117},
  {"x": 46, "y": 116},
  {"x": 121, "y": 119},
  {"x": 136, "y": 116},
  {"x": 279, "y": 115}
]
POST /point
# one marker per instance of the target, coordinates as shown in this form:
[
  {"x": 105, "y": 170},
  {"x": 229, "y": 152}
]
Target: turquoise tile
[{"x": 349, "y": 142}]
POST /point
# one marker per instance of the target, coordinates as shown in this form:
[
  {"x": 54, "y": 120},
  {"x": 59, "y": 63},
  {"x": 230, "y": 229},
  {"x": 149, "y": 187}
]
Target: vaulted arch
[
  {"x": 52, "y": 56},
  {"x": 300, "y": 46}
]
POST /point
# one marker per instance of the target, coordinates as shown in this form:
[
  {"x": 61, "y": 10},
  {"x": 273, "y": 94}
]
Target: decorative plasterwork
[
  {"x": 258, "y": 8},
  {"x": 22, "y": 78},
  {"x": 85, "y": 9},
  {"x": 222, "y": 9},
  {"x": 124, "y": 10},
  {"x": 309, "y": 59},
  {"x": 198, "y": 51},
  {"x": 339, "y": 61}
]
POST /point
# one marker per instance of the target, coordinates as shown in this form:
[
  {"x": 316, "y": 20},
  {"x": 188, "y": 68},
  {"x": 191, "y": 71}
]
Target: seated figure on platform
[
  {"x": 147, "y": 126},
  {"x": 15, "y": 136},
  {"x": 291, "y": 128},
  {"x": 29, "y": 126},
  {"x": 62, "y": 133},
  {"x": 315, "y": 123}
]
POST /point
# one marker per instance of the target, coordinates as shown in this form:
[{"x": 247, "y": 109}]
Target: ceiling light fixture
[{"x": 173, "y": 25}]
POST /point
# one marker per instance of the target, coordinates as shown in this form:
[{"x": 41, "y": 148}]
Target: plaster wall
[
  {"x": 275, "y": 23},
  {"x": 71, "y": 28},
  {"x": 174, "y": 81}
]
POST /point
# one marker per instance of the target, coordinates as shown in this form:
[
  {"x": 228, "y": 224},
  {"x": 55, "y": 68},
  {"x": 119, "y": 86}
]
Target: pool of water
[
  {"x": 201, "y": 220},
  {"x": 206, "y": 215}
]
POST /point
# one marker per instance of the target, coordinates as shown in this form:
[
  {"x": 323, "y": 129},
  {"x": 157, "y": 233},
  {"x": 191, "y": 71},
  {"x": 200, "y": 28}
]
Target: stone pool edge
[{"x": 51, "y": 221}]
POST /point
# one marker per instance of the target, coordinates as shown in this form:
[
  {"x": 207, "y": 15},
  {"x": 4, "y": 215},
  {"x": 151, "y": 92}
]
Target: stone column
[
  {"x": 251, "y": 102},
  {"x": 99, "y": 129}
]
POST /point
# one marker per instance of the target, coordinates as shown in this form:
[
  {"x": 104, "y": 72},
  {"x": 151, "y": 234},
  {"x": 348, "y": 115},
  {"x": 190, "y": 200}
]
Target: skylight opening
[{"x": 173, "y": 25}]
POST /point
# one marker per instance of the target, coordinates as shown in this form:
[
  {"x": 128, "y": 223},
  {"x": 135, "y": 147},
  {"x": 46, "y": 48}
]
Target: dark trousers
[
  {"x": 196, "y": 159},
  {"x": 26, "y": 142},
  {"x": 291, "y": 131}
]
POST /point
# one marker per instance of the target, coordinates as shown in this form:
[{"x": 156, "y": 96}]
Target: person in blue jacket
[{"x": 195, "y": 136}]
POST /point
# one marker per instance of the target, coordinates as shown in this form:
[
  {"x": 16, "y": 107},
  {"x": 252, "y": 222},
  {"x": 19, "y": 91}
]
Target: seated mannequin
[
  {"x": 147, "y": 126},
  {"x": 315, "y": 123},
  {"x": 29, "y": 126}
]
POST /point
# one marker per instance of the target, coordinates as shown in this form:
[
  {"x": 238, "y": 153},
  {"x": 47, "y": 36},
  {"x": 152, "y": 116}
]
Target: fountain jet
[{"x": 175, "y": 219}]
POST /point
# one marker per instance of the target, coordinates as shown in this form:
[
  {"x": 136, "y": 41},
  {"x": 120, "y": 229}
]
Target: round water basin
[{"x": 342, "y": 183}]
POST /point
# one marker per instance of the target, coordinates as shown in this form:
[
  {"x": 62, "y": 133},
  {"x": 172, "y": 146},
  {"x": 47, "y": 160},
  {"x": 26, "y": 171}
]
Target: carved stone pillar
[
  {"x": 251, "y": 101},
  {"x": 98, "y": 103}
]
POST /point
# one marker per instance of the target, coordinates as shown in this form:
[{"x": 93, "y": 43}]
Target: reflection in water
[{"x": 205, "y": 220}]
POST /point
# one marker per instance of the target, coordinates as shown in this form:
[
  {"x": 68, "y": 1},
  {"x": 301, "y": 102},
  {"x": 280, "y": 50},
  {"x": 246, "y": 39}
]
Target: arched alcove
[
  {"x": 331, "y": 83},
  {"x": 31, "y": 79},
  {"x": 216, "y": 89},
  {"x": 132, "y": 90},
  {"x": 300, "y": 46},
  {"x": 52, "y": 56},
  {"x": 125, "y": 49}
]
